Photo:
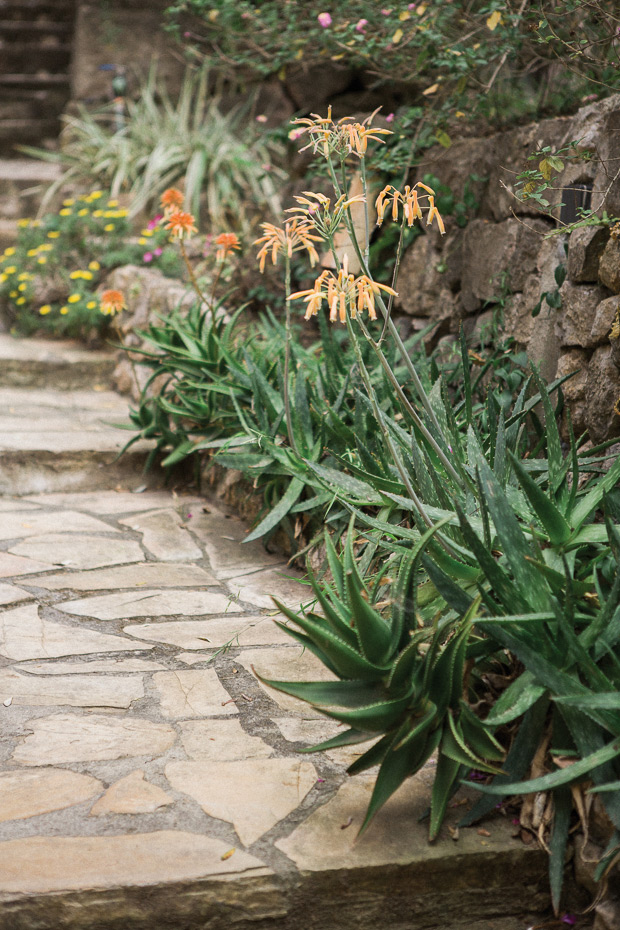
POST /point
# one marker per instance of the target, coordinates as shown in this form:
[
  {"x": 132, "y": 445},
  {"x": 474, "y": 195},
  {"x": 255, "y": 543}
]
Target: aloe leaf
[
  {"x": 451, "y": 592},
  {"x": 348, "y": 738},
  {"x": 373, "y": 756},
  {"x": 592, "y": 498},
  {"x": 609, "y": 700},
  {"x": 335, "y": 565},
  {"x": 552, "y": 434},
  {"x": 396, "y": 766},
  {"x": 578, "y": 770},
  {"x": 375, "y": 718},
  {"x": 550, "y": 517},
  {"x": 518, "y": 760},
  {"x": 453, "y": 745},
  {"x": 446, "y": 775},
  {"x": 329, "y": 693},
  {"x": 518, "y": 697},
  {"x": 344, "y": 658},
  {"x": 372, "y": 630},
  {"x": 562, "y": 809}
]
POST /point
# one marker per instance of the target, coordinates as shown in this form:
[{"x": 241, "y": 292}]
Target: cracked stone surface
[{"x": 147, "y": 777}]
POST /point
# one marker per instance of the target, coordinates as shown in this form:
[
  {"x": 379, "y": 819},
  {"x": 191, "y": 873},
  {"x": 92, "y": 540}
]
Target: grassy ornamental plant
[{"x": 472, "y": 606}]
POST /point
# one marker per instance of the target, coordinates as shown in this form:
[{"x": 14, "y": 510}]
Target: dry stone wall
[{"x": 504, "y": 259}]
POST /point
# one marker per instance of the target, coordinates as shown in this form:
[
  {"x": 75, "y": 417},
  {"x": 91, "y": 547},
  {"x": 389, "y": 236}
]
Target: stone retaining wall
[{"x": 505, "y": 257}]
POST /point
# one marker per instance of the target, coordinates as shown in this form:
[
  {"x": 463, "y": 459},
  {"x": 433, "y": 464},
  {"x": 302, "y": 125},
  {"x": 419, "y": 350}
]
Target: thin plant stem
[
  {"x": 287, "y": 355},
  {"x": 194, "y": 280}
]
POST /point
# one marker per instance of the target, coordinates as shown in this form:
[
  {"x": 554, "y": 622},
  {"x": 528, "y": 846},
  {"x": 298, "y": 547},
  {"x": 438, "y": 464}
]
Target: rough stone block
[
  {"x": 585, "y": 248},
  {"x": 574, "y": 322},
  {"x": 603, "y": 320},
  {"x": 609, "y": 266},
  {"x": 602, "y": 395}
]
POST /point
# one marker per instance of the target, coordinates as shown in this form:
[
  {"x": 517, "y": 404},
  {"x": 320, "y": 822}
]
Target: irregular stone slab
[
  {"x": 211, "y": 634},
  {"x": 19, "y": 525},
  {"x": 164, "y": 537},
  {"x": 110, "y": 502},
  {"x": 26, "y": 793},
  {"x": 131, "y": 795},
  {"x": 151, "y": 603},
  {"x": 109, "y": 666},
  {"x": 11, "y": 595},
  {"x": 260, "y": 587},
  {"x": 41, "y": 865},
  {"x": 328, "y": 839},
  {"x": 69, "y": 738},
  {"x": 140, "y": 574},
  {"x": 291, "y": 663},
  {"x": 17, "y": 504},
  {"x": 13, "y": 565},
  {"x": 79, "y": 551},
  {"x": 192, "y": 693},
  {"x": 73, "y": 690},
  {"x": 221, "y": 741},
  {"x": 222, "y": 538},
  {"x": 25, "y": 635},
  {"x": 253, "y": 795}
]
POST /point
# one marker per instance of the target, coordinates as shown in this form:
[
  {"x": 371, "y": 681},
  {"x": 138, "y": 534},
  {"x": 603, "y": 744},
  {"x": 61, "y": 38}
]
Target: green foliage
[
  {"x": 222, "y": 163},
  {"x": 49, "y": 278}
]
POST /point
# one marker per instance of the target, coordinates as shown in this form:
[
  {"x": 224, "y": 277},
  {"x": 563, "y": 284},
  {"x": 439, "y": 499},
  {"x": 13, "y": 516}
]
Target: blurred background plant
[
  {"x": 49, "y": 278},
  {"x": 225, "y": 165}
]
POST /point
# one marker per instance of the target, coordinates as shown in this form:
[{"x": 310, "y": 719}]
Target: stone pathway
[{"x": 147, "y": 778}]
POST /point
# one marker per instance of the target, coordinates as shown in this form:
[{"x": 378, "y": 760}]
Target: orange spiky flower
[
  {"x": 226, "y": 243},
  {"x": 181, "y": 225},
  {"x": 172, "y": 200},
  {"x": 294, "y": 236},
  {"x": 112, "y": 302}
]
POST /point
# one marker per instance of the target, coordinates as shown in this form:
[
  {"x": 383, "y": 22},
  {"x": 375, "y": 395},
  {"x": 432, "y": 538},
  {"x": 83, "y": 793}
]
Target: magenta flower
[
  {"x": 385, "y": 12},
  {"x": 361, "y": 25},
  {"x": 155, "y": 221},
  {"x": 147, "y": 257},
  {"x": 157, "y": 251},
  {"x": 389, "y": 118},
  {"x": 569, "y": 919},
  {"x": 324, "y": 19}
]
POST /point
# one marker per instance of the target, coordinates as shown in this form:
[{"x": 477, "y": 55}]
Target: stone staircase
[{"x": 35, "y": 57}]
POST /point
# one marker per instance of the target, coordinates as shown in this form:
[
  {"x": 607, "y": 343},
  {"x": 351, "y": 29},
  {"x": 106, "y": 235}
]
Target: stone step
[
  {"x": 41, "y": 80},
  {"x": 15, "y": 132},
  {"x": 8, "y": 233},
  {"x": 58, "y": 10},
  {"x": 61, "y": 365},
  {"x": 42, "y": 27},
  {"x": 32, "y": 57}
]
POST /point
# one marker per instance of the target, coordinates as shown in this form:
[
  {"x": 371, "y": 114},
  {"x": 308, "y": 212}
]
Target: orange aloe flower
[
  {"x": 112, "y": 302},
  {"x": 344, "y": 294},
  {"x": 181, "y": 225},
  {"x": 410, "y": 199},
  {"x": 226, "y": 243},
  {"x": 345, "y": 137},
  {"x": 172, "y": 200},
  {"x": 294, "y": 236}
]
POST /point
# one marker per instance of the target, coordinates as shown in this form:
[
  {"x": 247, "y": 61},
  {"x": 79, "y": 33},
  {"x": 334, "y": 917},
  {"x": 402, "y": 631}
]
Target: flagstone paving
[{"x": 148, "y": 778}]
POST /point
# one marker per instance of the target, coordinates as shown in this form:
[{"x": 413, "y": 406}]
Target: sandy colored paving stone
[
  {"x": 398, "y": 834},
  {"x": 111, "y": 502},
  {"x": 13, "y": 565},
  {"x": 151, "y": 603},
  {"x": 26, "y": 793},
  {"x": 109, "y": 666},
  {"x": 192, "y": 693},
  {"x": 71, "y": 690},
  {"x": 25, "y": 635},
  {"x": 9, "y": 594},
  {"x": 164, "y": 537},
  {"x": 211, "y": 634},
  {"x": 18, "y": 504},
  {"x": 260, "y": 587},
  {"x": 137, "y": 575},
  {"x": 291, "y": 663},
  {"x": 131, "y": 795},
  {"x": 40, "y": 865},
  {"x": 252, "y": 794},
  {"x": 69, "y": 738},
  {"x": 19, "y": 525},
  {"x": 221, "y": 741},
  {"x": 222, "y": 539},
  {"x": 79, "y": 551}
]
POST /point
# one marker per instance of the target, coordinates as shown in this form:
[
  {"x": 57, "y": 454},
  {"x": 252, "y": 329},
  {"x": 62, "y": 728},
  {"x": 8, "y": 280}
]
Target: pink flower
[
  {"x": 385, "y": 12},
  {"x": 154, "y": 222},
  {"x": 261, "y": 118},
  {"x": 389, "y": 118},
  {"x": 266, "y": 167},
  {"x": 361, "y": 25},
  {"x": 147, "y": 257},
  {"x": 324, "y": 19},
  {"x": 295, "y": 134},
  {"x": 411, "y": 6},
  {"x": 157, "y": 251}
]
